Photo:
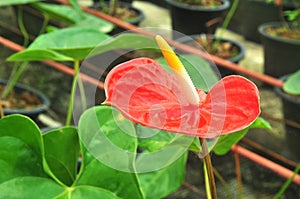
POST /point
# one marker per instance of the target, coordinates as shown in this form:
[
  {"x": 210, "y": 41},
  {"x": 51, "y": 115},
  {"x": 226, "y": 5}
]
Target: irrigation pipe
[
  {"x": 280, "y": 170},
  {"x": 235, "y": 67},
  {"x": 56, "y": 65}
]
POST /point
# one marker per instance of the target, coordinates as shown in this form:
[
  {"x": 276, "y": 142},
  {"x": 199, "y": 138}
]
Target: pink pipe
[{"x": 280, "y": 170}]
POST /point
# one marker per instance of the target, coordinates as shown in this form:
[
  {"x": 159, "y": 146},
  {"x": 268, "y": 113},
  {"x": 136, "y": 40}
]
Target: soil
[
  {"x": 123, "y": 13},
  {"x": 206, "y": 3},
  {"x": 24, "y": 100},
  {"x": 223, "y": 49},
  {"x": 285, "y": 32}
]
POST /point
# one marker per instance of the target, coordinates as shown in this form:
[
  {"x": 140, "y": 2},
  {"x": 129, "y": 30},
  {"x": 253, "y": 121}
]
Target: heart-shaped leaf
[
  {"x": 62, "y": 153},
  {"x": 170, "y": 179},
  {"x": 225, "y": 142},
  {"x": 20, "y": 148},
  {"x": 74, "y": 43},
  {"x": 291, "y": 85},
  {"x": 109, "y": 148},
  {"x": 36, "y": 187}
]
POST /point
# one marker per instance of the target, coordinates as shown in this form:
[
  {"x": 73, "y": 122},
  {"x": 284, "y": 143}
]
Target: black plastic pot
[
  {"x": 160, "y": 3},
  {"x": 281, "y": 56},
  {"x": 250, "y": 14},
  {"x": 135, "y": 21},
  {"x": 291, "y": 110},
  {"x": 191, "y": 40},
  {"x": 191, "y": 20},
  {"x": 32, "y": 113}
]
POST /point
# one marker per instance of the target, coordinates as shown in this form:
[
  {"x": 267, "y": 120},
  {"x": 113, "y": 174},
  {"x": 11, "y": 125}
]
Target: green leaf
[
  {"x": 20, "y": 148},
  {"x": 225, "y": 142},
  {"x": 38, "y": 55},
  {"x": 30, "y": 187},
  {"x": 109, "y": 146},
  {"x": 80, "y": 192},
  {"x": 58, "y": 12},
  {"x": 62, "y": 153},
  {"x": 69, "y": 15},
  {"x": 125, "y": 41},
  {"x": 73, "y": 42},
  {"x": 199, "y": 70},
  {"x": 153, "y": 139},
  {"x": 76, "y": 7},
  {"x": 195, "y": 146},
  {"x": 291, "y": 85},
  {"x": 16, "y": 2},
  {"x": 36, "y": 187},
  {"x": 160, "y": 183}
]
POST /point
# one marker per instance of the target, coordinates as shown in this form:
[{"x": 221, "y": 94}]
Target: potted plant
[
  {"x": 35, "y": 17},
  {"x": 281, "y": 42},
  {"x": 289, "y": 95},
  {"x": 194, "y": 17},
  {"x": 18, "y": 98},
  {"x": 224, "y": 48},
  {"x": 122, "y": 10},
  {"x": 119, "y": 158}
]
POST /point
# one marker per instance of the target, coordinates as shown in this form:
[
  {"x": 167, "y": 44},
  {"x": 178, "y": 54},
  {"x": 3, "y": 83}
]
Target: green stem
[
  {"x": 45, "y": 23},
  {"x": 73, "y": 91},
  {"x": 206, "y": 179},
  {"x": 209, "y": 169},
  {"x": 226, "y": 22},
  {"x": 22, "y": 27},
  {"x": 287, "y": 183},
  {"x": 223, "y": 182},
  {"x": 82, "y": 94},
  {"x": 14, "y": 79}
]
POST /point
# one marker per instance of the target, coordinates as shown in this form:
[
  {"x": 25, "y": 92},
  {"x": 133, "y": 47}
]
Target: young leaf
[
  {"x": 20, "y": 148},
  {"x": 62, "y": 152},
  {"x": 125, "y": 41},
  {"x": 225, "y": 142},
  {"x": 69, "y": 15},
  {"x": 291, "y": 85},
  {"x": 74, "y": 42},
  {"x": 170, "y": 178},
  {"x": 109, "y": 148}
]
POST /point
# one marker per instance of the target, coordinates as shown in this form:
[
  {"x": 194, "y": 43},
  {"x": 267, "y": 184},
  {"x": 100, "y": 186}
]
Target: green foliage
[
  {"x": 291, "y": 85},
  {"x": 16, "y": 2},
  {"x": 74, "y": 43},
  {"x": 63, "y": 165},
  {"x": 293, "y": 16},
  {"x": 73, "y": 16},
  {"x": 202, "y": 76},
  {"x": 79, "y": 43},
  {"x": 225, "y": 142},
  {"x": 169, "y": 179},
  {"x": 33, "y": 163}
]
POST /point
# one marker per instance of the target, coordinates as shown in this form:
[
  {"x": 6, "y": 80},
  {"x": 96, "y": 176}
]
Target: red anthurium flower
[{"x": 147, "y": 94}]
